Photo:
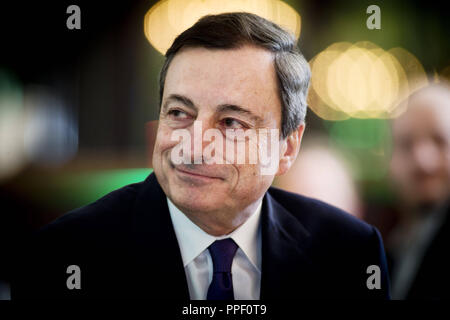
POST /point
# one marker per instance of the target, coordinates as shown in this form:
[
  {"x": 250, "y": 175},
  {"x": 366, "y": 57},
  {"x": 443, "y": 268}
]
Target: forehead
[{"x": 244, "y": 76}]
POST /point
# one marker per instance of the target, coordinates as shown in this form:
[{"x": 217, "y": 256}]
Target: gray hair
[{"x": 233, "y": 30}]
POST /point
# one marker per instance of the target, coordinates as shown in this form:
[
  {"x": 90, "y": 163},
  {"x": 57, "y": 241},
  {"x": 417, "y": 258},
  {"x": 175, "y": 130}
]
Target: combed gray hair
[{"x": 233, "y": 30}]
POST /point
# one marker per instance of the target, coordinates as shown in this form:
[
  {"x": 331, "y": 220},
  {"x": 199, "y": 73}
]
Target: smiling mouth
[{"x": 196, "y": 175}]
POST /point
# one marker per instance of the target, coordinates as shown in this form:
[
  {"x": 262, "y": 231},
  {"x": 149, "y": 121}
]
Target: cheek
[
  {"x": 162, "y": 143},
  {"x": 163, "y": 139},
  {"x": 251, "y": 181}
]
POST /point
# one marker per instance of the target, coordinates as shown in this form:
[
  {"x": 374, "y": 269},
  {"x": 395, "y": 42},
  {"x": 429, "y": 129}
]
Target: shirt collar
[{"x": 192, "y": 240}]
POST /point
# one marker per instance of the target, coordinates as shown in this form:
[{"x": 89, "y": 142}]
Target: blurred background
[{"x": 77, "y": 107}]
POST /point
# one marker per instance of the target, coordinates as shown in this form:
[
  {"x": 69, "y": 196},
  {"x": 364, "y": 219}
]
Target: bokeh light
[
  {"x": 325, "y": 175},
  {"x": 12, "y": 154},
  {"x": 367, "y": 144},
  {"x": 35, "y": 128},
  {"x": 363, "y": 81},
  {"x": 51, "y": 132},
  {"x": 167, "y": 19}
]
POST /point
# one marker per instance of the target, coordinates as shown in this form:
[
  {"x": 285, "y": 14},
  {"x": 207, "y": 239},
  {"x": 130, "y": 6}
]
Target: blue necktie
[{"x": 222, "y": 254}]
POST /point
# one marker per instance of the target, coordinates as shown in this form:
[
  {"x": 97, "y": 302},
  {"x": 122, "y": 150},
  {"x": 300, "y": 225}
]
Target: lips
[{"x": 200, "y": 172}]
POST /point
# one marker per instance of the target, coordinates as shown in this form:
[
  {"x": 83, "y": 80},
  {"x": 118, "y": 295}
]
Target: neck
[{"x": 221, "y": 222}]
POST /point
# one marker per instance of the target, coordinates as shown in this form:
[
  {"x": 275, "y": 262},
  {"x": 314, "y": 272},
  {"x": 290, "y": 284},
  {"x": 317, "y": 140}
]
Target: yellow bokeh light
[
  {"x": 168, "y": 18},
  {"x": 363, "y": 81}
]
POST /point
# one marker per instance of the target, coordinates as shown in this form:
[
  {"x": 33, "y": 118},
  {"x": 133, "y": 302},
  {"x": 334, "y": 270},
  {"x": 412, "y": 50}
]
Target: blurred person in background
[{"x": 420, "y": 169}]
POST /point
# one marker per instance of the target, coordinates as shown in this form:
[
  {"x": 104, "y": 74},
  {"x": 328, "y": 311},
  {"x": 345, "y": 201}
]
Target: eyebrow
[
  {"x": 234, "y": 108},
  {"x": 221, "y": 108},
  {"x": 181, "y": 99}
]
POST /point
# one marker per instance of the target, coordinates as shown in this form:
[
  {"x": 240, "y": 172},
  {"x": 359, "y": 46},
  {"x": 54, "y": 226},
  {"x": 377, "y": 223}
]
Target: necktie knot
[{"x": 222, "y": 254}]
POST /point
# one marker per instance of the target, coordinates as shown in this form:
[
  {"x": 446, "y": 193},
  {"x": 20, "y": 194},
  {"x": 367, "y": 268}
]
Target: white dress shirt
[{"x": 198, "y": 266}]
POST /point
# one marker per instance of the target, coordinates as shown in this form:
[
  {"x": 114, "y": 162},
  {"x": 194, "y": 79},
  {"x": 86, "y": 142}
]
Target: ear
[{"x": 289, "y": 148}]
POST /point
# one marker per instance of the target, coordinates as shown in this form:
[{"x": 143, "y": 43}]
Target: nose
[{"x": 198, "y": 144}]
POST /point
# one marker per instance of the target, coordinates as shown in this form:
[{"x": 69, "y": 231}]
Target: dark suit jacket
[
  {"x": 432, "y": 280},
  {"x": 126, "y": 247}
]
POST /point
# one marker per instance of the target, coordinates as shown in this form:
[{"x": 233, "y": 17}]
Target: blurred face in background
[{"x": 420, "y": 166}]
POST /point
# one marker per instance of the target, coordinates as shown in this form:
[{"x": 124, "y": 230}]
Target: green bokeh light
[
  {"x": 78, "y": 189},
  {"x": 367, "y": 142},
  {"x": 361, "y": 133}
]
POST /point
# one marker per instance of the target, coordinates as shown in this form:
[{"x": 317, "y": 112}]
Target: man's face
[
  {"x": 420, "y": 164},
  {"x": 222, "y": 89}
]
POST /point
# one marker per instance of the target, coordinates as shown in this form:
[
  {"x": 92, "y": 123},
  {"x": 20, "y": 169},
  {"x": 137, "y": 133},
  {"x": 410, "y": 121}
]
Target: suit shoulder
[
  {"x": 334, "y": 237},
  {"x": 108, "y": 211},
  {"x": 318, "y": 216}
]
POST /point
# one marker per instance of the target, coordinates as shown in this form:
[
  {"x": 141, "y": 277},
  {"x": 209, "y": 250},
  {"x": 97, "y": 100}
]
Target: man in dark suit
[
  {"x": 420, "y": 168},
  {"x": 206, "y": 224}
]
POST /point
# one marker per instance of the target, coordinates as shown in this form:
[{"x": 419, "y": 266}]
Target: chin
[{"x": 194, "y": 203}]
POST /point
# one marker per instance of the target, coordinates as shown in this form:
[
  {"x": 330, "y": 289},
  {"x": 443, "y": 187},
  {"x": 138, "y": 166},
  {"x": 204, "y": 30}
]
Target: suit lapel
[
  {"x": 155, "y": 251},
  {"x": 286, "y": 267}
]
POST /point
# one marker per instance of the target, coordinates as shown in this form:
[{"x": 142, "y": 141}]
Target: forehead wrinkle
[{"x": 229, "y": 71}]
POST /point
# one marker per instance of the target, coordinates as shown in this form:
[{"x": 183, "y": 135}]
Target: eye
[
  {"x": 231, "y": 123},
  {"x": 177, "y": 114}
]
